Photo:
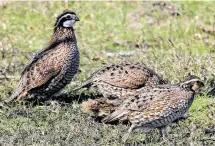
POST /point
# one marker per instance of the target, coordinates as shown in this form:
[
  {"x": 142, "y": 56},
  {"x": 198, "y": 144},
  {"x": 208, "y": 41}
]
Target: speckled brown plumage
[
  {"x": 100, "y": 107},
  {"x": 158, "y": 106},
  {"x": 122, "y": 79},
  {"x": 52, "y": 68}
]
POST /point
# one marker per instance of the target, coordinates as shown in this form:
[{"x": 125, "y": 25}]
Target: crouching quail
[
  {"x": 100, "y": 107},
  {"x": 157, "y": 107},
  {"x": 125, "y": 78},
  {"x": 52, "y": 68}
]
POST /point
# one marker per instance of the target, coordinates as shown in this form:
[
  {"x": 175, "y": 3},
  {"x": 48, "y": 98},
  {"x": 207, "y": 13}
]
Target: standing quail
[
  {"x": 157, "y": 107},
  {"x": 52, "y": 68},
  {"x": 117, "y": 80}
]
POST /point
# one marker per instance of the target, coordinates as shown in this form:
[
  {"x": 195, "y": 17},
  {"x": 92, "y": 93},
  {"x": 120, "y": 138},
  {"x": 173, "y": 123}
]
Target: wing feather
[
  {"x": 41, "y": 68},
  {"x": 143, "y": 104},
  {"x": 125, "y": 75}
]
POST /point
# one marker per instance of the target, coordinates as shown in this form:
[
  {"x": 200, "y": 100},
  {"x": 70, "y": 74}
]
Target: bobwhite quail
[
  {"x": 100, "y": 107},
  {"x": 52, "y": 68},
  {"x": 117, "y": 80},
  {"x": 157, "y": 107}
]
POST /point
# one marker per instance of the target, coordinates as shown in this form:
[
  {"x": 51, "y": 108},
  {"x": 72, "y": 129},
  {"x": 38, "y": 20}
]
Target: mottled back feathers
[
  {"x": 126, "y": 75},
  {"x": 116, "y": 80}
]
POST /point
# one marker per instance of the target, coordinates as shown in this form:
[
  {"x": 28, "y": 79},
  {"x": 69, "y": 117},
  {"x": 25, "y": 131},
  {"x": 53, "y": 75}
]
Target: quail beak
[
  {"x": 77, "y": 19},
  {"x": 197, "y": 87},
  {"x": 108, "y": 101}
]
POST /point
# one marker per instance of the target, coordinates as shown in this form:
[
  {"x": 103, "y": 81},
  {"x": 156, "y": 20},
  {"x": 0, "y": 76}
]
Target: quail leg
[
  {"x": 125, "y": 137},
  {"x": 163, "y": 132},
  {"x": 136, "y": 128}
]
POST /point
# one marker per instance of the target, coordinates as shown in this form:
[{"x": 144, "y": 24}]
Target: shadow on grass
[{"x": 63, "y": 98}]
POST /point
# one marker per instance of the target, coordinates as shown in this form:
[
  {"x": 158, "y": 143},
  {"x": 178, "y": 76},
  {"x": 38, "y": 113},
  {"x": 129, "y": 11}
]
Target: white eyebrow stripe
[
  {"x": 66, "y": 15},
  {"x": 63, "y": 17},
  {"x": 192, "y": 80}
]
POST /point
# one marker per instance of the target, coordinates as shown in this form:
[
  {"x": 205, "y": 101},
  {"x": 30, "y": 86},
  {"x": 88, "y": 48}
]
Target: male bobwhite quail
[
  {"x": 52, "y": 68},
  {"x": 117, "y": 80},
  {"x": 157, "y": 107}
]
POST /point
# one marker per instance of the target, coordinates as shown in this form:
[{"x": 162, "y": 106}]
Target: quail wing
[
  {"x": 160, "y": 113},
  {"x": 39, "y": 71},
  {"x": 144, "y": 103},
  {"x": 124, "y": 75}
]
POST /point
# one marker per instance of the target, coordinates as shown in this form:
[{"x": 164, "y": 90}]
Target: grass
[{"x": 172, "y": 45}]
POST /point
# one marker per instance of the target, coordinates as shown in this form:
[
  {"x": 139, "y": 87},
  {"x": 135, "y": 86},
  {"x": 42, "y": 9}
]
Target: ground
[{"x": 174, "y": 39}]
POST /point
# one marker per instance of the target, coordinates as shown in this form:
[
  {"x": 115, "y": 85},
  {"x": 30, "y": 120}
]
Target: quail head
[
  {"x": 158, "y": 106},
  {"x": 122, "y": 79},
  {"x": 53, "y": 67}
]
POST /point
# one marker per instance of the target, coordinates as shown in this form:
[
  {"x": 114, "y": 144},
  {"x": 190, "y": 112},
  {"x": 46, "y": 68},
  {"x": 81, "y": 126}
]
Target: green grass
[{"x": 173, "y": 46}]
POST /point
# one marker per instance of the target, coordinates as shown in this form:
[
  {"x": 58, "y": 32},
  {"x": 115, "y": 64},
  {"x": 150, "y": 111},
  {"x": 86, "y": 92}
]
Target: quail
[
  {"x": 53, "y": 67},
  {"x": 120, "y": 79},
  {"x": 100, "y": 107},
  {"x": 157, "y": 107}
]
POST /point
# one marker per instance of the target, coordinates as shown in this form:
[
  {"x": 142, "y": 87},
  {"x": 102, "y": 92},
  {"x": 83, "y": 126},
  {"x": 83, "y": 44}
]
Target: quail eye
[
  {"x": 68, "y": 17},
  {"x": 198, "y": 82}
]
